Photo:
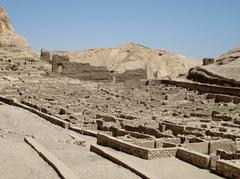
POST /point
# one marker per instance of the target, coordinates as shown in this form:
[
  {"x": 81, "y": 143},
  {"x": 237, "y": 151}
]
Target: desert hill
[
  {"x": 225, "y": 71},
  {"x": 159, "y": 63}
]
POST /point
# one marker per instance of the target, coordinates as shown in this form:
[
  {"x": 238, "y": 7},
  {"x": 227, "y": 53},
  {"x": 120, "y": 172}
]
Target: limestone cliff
[{"x": 12, "y": 46}]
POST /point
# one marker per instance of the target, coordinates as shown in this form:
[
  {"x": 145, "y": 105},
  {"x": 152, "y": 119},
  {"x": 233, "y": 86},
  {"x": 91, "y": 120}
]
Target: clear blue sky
[{"x": 197, "y": 28}]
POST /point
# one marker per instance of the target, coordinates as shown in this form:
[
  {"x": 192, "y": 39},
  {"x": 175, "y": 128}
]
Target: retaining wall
[
  {"x": 227, "y": 169},
  {"x": 48, "y": 117},
  {"x": 205, "y": 88},
  {"x": 135, "y": 150},
  {"x": 195, "y": 158}
]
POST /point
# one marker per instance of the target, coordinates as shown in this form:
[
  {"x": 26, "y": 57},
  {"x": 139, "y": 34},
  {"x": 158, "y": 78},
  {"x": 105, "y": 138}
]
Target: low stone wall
[
  {"x": 159, "y": 143},
  {"x": 205, "y": 88},
  {"x": 83, "y": 131},
  {"x": 146, "y": 130},
  {"x": 228, "y": 155},
  {"x": 135, "y": 150},
  {"x": 222, "y": 135},
  {"x": 48, "y": 117},
  {"x": 120, "y": 132},
  {"x": 175, "y": 128},
  {"x": 162, "y": 153},
  {"x": 192, "y": 157},
  {"x": 201, "y": 147},
  {"x": 112, "y": 142},
  {"x": 181, "y": 129},
  {"x": 227, "y": 169},
  {"x": 224, "y": 144},
  {"x": 7, "y": 100}
]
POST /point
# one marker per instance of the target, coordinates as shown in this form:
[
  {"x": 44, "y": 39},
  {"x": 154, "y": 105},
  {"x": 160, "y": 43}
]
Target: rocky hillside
[
  {"x": 225, "y": 71},
  {"x": 12, "y": 46},
  {"x": 159, "y": 63}
]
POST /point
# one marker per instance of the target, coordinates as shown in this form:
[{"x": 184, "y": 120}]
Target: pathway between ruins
[{"x": 15, "y": 123}]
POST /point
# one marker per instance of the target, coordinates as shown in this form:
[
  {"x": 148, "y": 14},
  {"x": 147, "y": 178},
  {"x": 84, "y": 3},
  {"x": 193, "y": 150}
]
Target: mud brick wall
[
  {"x": 227, "y": 169},
  {"x": 192, "y": 157},
  {"x": 82, "y": 71}
]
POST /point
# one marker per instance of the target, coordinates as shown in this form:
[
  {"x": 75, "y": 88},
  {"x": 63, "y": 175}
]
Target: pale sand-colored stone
[
  {"x": 19, "y": 161},
  {"x": 16, "y": 123},
  {"x": 58, "y": 165}
]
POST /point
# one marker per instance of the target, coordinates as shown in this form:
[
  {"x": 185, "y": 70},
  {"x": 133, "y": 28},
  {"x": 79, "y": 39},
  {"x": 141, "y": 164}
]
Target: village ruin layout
[{"x": 115, "y": 113}]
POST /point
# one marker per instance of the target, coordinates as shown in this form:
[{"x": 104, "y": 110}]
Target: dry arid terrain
[{"x": 125, "y": 112}]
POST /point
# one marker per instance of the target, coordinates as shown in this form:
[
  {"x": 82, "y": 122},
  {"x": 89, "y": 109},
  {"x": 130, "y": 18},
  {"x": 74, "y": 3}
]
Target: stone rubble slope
[{"x": 12, "y": 46}]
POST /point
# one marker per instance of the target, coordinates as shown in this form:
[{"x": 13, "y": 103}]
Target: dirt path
[{"x": 21, "y": 161}]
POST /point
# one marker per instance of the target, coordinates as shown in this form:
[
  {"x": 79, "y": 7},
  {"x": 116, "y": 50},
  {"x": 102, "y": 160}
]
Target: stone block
[
  {"x": 201, "y": 147},
  {"x": 224, "y": 99},
  {"x": 224, "y": 144}
]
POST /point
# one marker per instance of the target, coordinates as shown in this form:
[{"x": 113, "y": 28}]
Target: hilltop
[{"x": 159, "y": 63}]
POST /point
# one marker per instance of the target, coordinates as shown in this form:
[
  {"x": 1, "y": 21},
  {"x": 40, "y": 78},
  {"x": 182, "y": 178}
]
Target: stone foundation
[
  {"x": 135, "y": 150},
  {"x": 227, "y": 169},
  {"x": 195, "y": 158}
]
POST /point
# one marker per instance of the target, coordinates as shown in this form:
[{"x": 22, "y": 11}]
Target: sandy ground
[
  {"x": 169, "y": 168},
  {"x": 21, "y": 161},
  {"x": 87, "y": 164}
]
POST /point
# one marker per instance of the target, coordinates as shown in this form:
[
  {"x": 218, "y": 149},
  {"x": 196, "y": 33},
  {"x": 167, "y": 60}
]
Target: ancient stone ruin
[{"x": 107, "y": 120}]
